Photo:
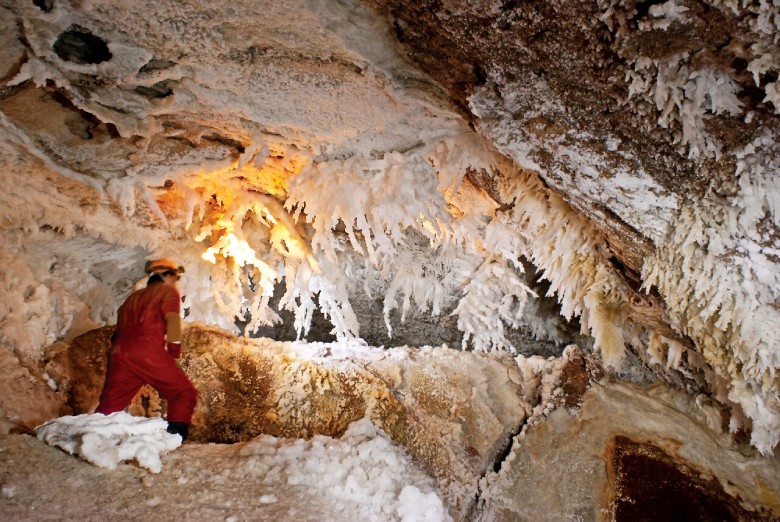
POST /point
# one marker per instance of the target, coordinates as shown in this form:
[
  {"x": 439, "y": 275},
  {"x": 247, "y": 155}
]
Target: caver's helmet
[{"x": 162, "y": 265}]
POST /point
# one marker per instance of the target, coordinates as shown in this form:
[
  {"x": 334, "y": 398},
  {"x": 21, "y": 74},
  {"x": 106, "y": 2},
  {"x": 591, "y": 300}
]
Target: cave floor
[
  {"x": 197, "y": 482},
  {"x": 566, "y": 465}
]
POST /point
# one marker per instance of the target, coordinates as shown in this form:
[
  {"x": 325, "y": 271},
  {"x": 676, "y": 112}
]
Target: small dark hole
[
  {"x": 156, "y": 65},
  {"x": 44, "y": 5},
  {"x": 78, "y": 45},
  {"x": 158, "y": 90},
  {"x": 480, "y": 74}
]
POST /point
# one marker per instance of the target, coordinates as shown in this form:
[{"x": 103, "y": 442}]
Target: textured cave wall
[
  {"x": 625, "y": 152},
  {"x": 629, "y": 455},
  {"x": 640, "y": 115},
  {"x": 567, "y": 67},
  {"x": 116, "y": 131},
  {"x": 560, "y": 74}
]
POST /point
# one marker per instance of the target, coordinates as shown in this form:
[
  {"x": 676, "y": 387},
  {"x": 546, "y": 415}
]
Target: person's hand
[{"x": 175, "y": 350}]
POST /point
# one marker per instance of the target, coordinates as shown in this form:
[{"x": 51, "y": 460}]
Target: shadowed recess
[
  {"x": 650, "y": 484},
  {"x": 78, "y": 45}
]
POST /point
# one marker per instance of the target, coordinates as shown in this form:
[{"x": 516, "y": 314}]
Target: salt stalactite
[
  {"x": 719, "y": 274},
  {"x": 381, "y": 202},
  {"x": 725, "y": 311},
  {"x": 563, "y": 246},
  {"x": 685, "y": 93},
  {"x": 494, "y": 299},
  {"x": 685, "y": 97}
]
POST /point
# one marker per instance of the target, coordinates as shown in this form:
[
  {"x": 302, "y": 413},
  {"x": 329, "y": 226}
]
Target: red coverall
[{"x": 138, "y": 355}]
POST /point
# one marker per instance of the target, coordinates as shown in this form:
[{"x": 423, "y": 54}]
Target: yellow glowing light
[
  {"x": 270, "y": 172},
  {"x": 427, "y": 225},
  {"x": 230, "y": 246},
  {"x": 284, "y": 242},
  {"x": 289, "y": 244},
  {"x": 251, "y": 189}
]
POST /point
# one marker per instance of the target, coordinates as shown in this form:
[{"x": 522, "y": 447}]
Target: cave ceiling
[{"x": 376, "y": 160}]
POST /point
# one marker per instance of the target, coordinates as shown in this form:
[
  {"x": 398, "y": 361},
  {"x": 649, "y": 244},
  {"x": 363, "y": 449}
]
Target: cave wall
[
  {"x": 625, "y": 151},
  {"x": 659, "y": 122}
]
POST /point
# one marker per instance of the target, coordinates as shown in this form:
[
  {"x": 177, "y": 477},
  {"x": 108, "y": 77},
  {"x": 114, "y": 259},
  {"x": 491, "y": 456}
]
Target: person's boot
[{"x": 179, "y": 428}]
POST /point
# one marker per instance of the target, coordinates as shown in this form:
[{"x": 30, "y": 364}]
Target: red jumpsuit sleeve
[{"x": 171, "y": 302}]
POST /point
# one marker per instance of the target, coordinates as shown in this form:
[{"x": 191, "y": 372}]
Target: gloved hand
[{"x": 175, "y": 350}]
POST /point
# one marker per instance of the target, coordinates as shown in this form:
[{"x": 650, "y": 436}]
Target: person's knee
[
  {"x": 186, "y": 393},
  {"x": 191, "y": 393}
]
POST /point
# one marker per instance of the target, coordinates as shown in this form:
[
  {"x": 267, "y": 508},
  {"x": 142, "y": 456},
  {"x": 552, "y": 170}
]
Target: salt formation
[
  {"x": 583, "y": 447},
  {"x": 107, "y": 440},
  {"x": 453, "y": 412},
  {"x": 363, "y": 469},
  {"x": 363, "y": 474},
  {"x": 295, "y": 163}
]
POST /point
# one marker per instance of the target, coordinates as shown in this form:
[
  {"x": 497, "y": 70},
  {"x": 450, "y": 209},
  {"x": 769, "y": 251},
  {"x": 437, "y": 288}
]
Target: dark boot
[{"x": 179, "y": 428}]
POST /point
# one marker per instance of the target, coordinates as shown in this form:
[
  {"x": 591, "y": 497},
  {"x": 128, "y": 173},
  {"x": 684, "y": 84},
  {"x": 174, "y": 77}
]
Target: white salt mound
[{"x": 107, "y": 440}]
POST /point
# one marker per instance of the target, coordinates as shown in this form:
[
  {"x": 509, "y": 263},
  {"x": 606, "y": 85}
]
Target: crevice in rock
[
  {"x": 575, "y": 379},
  {"x": 6, "y": 91},
  {"x": 633, "y": 279},
  {"x": 90, "y": 122},
  {"x": 44, "y": 5},
  {"x": 480, "y": 74},
  {"x": 502, "y": 455},
  {"x": 233, "y": 144},
  {"x": 79, "y": 45},
  {"x": 181, "y": 139},
  {"x": 156, "y": 65},
  {"x": 158, "y": 90}
]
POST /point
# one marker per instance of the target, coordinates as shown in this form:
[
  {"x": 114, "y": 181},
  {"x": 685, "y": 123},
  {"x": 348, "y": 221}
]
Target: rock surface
[
  {"x": 26, "y": 398},
  {"x": 381, "y": 160},
  {"x": 631, "y": 453},
  {"x": 453, "y": 411}
]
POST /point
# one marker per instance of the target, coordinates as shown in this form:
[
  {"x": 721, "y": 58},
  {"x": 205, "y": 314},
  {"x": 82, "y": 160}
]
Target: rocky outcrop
[
  {"x": 631, "y": 453},
  {"x": 584, "y": 449},
  {"x": 650, "y": 483},
  {"x": 455, "y": 412},
  {"x": 79, "y": 368},
  {"x": 27, "y": 399}
]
